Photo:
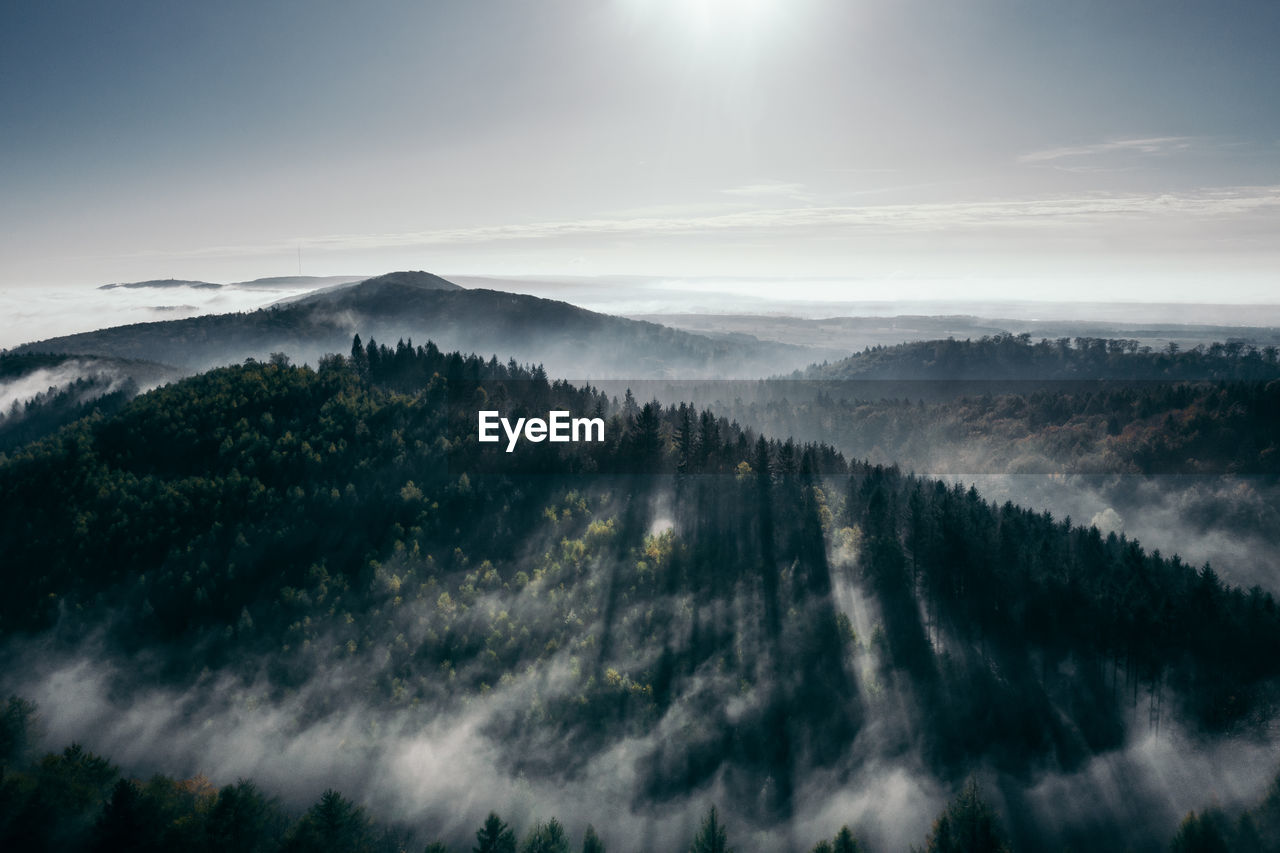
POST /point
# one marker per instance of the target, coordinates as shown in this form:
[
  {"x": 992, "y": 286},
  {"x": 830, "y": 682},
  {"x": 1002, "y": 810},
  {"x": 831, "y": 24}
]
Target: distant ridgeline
[
  {"x": 419, "y": 305},
  {"x": 269, "y": 521},
  {"x": 1016, "y": 357},
  {"x": 1019, "y": 427}
]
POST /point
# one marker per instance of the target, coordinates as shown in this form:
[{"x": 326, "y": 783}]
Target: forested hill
[
  {"x": 569, "y": 341},
  {"x": 1016, "y": 357},
  {"x": 40, "y": 392},
  {"x": 683, "y": 606}
]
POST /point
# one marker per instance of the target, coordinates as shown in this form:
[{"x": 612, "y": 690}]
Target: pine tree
[
  {"x": 495, "y": 836},
  {"x": 968, "y": 825},
  {"x": 546, "y": 837},
  {"x": 711, "y": 837},
  {"x": 591, "y": 842},
  {"x": 241, "y": 819},
  {"x": 845, "y": 842},
  {"x": 1199, "y": 833},
  {"x": 334, "y": 823},
  {"x": 684, "y": 439},
  {"x": 123, "y": 825}
]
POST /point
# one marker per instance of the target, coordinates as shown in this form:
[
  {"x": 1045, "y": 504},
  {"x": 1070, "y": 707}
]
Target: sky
[{"x": 1092, "y": 149}]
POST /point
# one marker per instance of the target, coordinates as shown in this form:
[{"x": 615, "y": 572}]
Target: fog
[
  {"x": 437, "y": 769},
  {"x": 439, "y": 774},
  {"x": 1227, "y": 521},
  {"x": 17, "y": 391},
  {"x": 757, "y": 307},
  {"x": 1231, "y": 520},
  {"x": 814, "y": 298},
  {"x": 34, "y": 314},
  {"x": 97, "y": 377}
]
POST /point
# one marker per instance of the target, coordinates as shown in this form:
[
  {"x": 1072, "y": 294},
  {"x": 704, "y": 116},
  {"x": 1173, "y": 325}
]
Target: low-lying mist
[
  {"x": 37, "y": 313},
  {"x": 319, "y": 578},
  {"x": 435, "y": 768}
]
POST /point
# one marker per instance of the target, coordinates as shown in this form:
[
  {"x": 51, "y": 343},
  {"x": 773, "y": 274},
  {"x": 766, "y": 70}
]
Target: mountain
[
  {"x": 265, "y": 566},
  {"x": 272, "y": 281},
  {"x": 376, "y": 293},
  {"x": 296, "y": 280},
  {"x": 162, "y": 283},
  {"x": 1016, "y": 357},
  {"x": 853, "y": 333},
  {"x": 1177, "y": 447},
  {"x": 569, "y": 341}
]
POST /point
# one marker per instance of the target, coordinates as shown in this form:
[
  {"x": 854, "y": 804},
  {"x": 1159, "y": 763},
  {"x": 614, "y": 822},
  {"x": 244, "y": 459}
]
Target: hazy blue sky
[{"x": 1114, "y": 149}]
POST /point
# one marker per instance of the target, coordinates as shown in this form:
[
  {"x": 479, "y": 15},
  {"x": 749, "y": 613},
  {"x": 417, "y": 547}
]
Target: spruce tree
[{"x": 711, "y": 837}]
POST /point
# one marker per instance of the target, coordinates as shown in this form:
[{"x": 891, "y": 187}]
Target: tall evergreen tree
[
  {"x": 1199, "y": 833},
  {"x": 711, "y": 837},
  {"x": 241, "y": 819},
  {"x": 591, "y": 842},
  {"x": 845, "y": 842},
  {"x": 123, "y": 825},
  {"x": 495, "y": 836},
  {"x": 334, "y": 823},
  {"x": 546, "y": 837},
  {"x": 968, "y": 825}
]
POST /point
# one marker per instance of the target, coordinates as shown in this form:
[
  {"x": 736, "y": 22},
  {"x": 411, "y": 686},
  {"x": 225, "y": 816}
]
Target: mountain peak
[{"x": 411, "y": 278}]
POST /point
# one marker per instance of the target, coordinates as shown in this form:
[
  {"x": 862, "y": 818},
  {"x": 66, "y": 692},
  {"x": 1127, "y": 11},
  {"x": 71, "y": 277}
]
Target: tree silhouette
[
  {"x": 967, "y": 825},
  {"x": 591, "y": 842},
  {"x": 124, "y": 824},
  {"x": 1199, "y": 833},
  {"x": 711, "y": 837},
  {"x": 546, "y": 837},
  {"x": 495, "y": 836},
  {"x": 334, "y": 823},
  {"x": 241, "y": 819},
  {"x": 845, "y": 842}
]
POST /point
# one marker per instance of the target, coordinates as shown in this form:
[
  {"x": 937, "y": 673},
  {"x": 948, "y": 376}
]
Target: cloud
[
  {"x": 1155, "y": 145},
  {"x": 38, "y": 313},
  {"x": 1227, "y": 204},
  {"x": 771, "y": 189}
]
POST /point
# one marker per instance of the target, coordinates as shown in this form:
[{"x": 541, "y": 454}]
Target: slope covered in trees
[
  {"x": 1009, "y": 356},
  {"x": 74, "y": 800},
  {"x": 1185, "y": 464},
  {"x": 688, "y": 601},
  {"x": 42, "y": 392}
]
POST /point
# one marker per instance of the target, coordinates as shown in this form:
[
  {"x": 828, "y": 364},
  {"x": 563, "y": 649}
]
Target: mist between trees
[{"x": 319, "y": 579}]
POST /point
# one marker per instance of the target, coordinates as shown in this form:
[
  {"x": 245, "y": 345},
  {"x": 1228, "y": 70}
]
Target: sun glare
[
  {"x": 712, "y": 21},
  {"x": 728, "y": 16}
]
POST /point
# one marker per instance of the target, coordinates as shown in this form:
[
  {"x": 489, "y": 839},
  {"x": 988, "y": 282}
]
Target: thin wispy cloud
[
  {"x": 1155, "y": 145},
  {"x": 771, "y": 190},
  {"x": 1227, "y": 204}
]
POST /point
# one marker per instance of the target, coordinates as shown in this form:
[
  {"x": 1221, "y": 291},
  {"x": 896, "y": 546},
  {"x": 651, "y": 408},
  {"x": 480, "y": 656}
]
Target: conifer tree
[
  {"x": 495, "y": 836},
  {"x": 711, "y": 837},
  {"x": 591, "y": 842},
  {"x": 968, "y": 825},
  {"x": 546, "y": 837}
]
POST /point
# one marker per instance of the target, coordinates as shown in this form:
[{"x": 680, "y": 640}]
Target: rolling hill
[
  {"x": 1017, "y": 357},
  {"x": 569, "y": 341},
  {"x": 312, "y": 562}
]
